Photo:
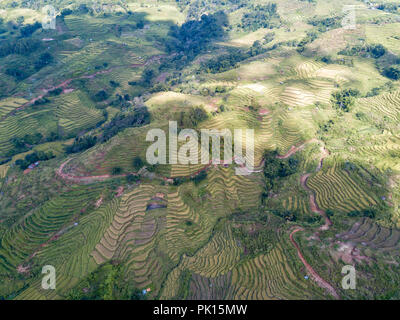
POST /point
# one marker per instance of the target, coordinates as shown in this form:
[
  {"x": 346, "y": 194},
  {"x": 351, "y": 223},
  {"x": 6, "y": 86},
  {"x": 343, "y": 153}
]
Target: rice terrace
[{"x": 309, "y": 209}]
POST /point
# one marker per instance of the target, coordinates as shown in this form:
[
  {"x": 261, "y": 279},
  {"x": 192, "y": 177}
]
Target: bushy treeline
[
  {"x": 34, "y": 157},
  {"x": 81, "y": 144},
  {"x": 196, "y": 8},
  {"x": 257, "y": 242},
  {"x": 229, "y": 61},
  {"x": 392, "y": 72},
  {"x": 139, "y": 117},
  {"x": 29, "y": 29},
  {"x": 388, "y": 65},
  {"x": 18, "y": 46},
  {"x": 275, "y": 168},
  {"x": 25, "y": 143},
  {"x": 193, "y": 36},
  {"x": 374, "y": 50},
  {"x": 196, "y": 179},
  {"x": 344, "y": 99},
  {"x": 368, "y": 213},
  {"x": 192, "y": 117},
  {"x": 106, "y": 283},
  {"x": 260, "y": 16},
  {"x": 389, "y": 7},
  {"x": 325, "y": 23}
]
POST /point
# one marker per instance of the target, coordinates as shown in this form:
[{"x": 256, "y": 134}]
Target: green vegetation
[
  {"x": 260, "y": 16},
  {"x": 106, "y": 283},
  {"x": 77, "y": 102},
  {"x": 344, "y": 99}
]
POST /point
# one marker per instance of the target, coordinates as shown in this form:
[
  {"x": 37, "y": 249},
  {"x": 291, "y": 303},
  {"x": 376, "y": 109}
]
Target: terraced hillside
[{"x": 78, "y": 191}]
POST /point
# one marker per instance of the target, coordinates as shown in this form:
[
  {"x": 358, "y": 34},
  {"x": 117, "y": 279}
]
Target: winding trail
[
  {"x": 314, "y": 275},
  {"x": 67, "y": 82},
  {"x": 89, "y": 179},
  {"x": 313, "y": 204},
  {"x": 314, "y": 208},
  {"x": 295, "y": 149}
]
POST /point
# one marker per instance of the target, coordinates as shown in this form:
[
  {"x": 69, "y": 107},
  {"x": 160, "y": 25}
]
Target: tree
[
  {"x": 392, "y": 72},
  {"x": 137, "y": 163},
  {"x": 44, "y": 60},
  {"x": 101, "y": 96},
  {"x": 377, "y": 50},
  {"x": 116, "y": 171},
  {"x": 344, "y": 99}
]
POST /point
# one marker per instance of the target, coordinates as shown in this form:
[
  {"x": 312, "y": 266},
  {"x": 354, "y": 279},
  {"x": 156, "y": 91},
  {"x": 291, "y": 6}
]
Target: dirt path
[
  {"x": 314, "y": 208},
  {"x": 84, "y": 179},
  {"x": 89, "y": 179},
  {"x": 314, "y": 275},
  {"x": 65, "y": 83},
  {"x": 295, "y": 149}
]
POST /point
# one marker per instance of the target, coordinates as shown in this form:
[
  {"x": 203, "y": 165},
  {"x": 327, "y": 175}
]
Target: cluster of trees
[
  {"x": 286, "y": 214},
  {"x": 19, "y": 46},
  {"x": 389, "y": 7},
  {"x": 107, "y": 282},
  {"x": 116, "y": 171},
  {"x": 388, "y": 86},
  {"x": 260, "y": 16},
  {"x": 121, "y": 101},
  {"x": 23, "y": 67},
  {"x": 25, "y": 143},
  {"x": 194, "y": 36},
  {"x": 137, "y": 163},
  {"x": 81, "y": 144},
  {"x": 27, "y": 140},
  {"x": 374, "y": 50},
  {"x": 324, "y": 24},
  {"x": 44, "y": 60},
  {"x": 100, "y": 96},
  {"x": 326, "y": 126},
  {"x": 184, "y": 43},
  {"x": 275, "y": 168},
  {"x": 34, "y": 157},
  {"x": 196, "y": 179},
  {"x": 139, "y": 117},
  {"x": 368, "y": 213},
  {"x": 310, "y": 37},
  {"x": 29, "y": 29},
  {"x": 392, "y": 72},
  {"x": 229, "y": 61},
  {"x": 192, "y": 117},
  {"x": 259, "y": 241},
  {"x": 344, "y": 99}
]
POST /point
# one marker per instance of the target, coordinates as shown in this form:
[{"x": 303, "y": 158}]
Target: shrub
[
  {"x": 392, "y": 72},
  {"x": 137, "y": 163},
  {"x": 81, "y": 143},
  {"x": 344, "y": 99},
  {"x": 116, "y": 171}
]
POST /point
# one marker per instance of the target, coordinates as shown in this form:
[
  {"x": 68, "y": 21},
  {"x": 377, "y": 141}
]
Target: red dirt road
[
  {"x": 314, "y": 208},
  {"x": 65, "y": 83},
  {"x": 295, "y": 149},
  {"x": 314, "y": 275}
]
